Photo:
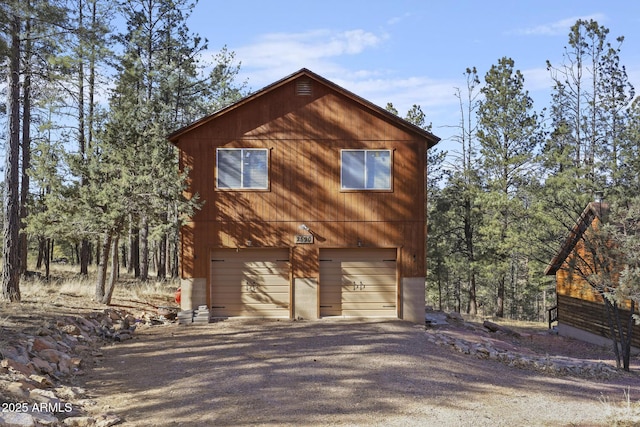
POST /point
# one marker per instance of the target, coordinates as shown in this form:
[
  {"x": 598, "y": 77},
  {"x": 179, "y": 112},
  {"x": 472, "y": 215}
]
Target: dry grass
[
  {"x": 64, "y": 281},
  {"x": 623, "y": 414}
]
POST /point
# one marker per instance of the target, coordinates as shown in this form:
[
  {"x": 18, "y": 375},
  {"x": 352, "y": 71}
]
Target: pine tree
[
  {"x": 508, "y": 135},
  {"x": 11, "y": 219}
]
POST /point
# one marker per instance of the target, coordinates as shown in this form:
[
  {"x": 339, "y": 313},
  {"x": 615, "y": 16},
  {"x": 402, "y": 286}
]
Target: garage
[
  {"x": 358, "y": 283},
  {"x": 250, "y": 283}
]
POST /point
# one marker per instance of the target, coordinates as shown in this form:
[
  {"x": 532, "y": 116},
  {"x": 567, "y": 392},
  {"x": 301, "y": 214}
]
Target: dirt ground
[
  {"x": 340, "y": 373},
  {"x": 329, "y": 373}
]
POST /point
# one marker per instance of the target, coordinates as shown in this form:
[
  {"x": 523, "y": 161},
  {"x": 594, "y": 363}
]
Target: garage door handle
[
  {"x": 358, "y": 286},
  {"x": 251, "y": 286}
]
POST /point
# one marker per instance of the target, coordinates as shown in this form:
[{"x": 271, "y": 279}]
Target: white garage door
[
  {"x": 250, "y": 283},
  {"x": 358, "y": 282}
]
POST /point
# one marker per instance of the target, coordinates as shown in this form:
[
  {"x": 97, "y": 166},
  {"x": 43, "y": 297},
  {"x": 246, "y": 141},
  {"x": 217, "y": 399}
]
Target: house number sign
[{"x": 304, "y": 239}]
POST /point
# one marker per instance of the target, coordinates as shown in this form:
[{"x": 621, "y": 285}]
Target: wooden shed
[
  {"x": 314, "y": 206},
  {"x": 580, "y": 310}
]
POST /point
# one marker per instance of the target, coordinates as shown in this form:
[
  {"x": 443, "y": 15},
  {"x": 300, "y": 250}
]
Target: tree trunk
[
  {"x": 48, "y": 250},
  {"x": 11, "y": 215},
  {"x": 626, "y": 347},
  {"x": 144, "y": 248},
  {"x": 41, "y": 251},
  {"x": 85, "y": 255},
  {"x": 162, "y": 258},
  {"x": 26, "y": 147},
  {"x": 612, "y": 330},
  {"x": 471, "y": 274},
  {"x": 113, "y": 277},
  {"x": 133, "y": 265},
  {"x": 102, "y": 268},
  {"x": 500, "y": 308}
]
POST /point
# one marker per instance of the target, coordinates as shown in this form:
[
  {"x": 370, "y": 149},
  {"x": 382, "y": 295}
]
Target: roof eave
[{"x": 431, "y": 138}]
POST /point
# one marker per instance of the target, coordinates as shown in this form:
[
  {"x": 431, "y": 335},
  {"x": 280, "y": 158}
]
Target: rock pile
[
  {"x": 484, "y": 348},
  {"x": 37, "y": 367}
]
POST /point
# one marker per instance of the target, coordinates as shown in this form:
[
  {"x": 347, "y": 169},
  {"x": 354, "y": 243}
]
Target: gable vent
[{"x": 303, "y": 87}]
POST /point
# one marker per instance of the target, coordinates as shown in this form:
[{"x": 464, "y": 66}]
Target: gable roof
[
  {"x": 592, "y": 211},
  {"x": 401, "y": 123}
]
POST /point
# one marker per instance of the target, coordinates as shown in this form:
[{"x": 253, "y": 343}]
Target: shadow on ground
[{"x": 330, "y": 372}]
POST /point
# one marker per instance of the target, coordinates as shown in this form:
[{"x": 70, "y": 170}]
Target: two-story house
[{"x": 314, "y": 206}]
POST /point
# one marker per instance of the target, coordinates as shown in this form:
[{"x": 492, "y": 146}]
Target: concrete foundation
[
  {"x": 579, "y": 334},
  {"x": 305, "y": 298},
  {"x": 413, "y": 299},
  {"x": 193, "y": 293}
]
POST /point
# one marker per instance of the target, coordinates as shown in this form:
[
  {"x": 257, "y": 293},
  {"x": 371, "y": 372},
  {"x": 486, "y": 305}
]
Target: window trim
[
  {"x": 367, "y": 150},
  {"x": 243, "y": 150}
]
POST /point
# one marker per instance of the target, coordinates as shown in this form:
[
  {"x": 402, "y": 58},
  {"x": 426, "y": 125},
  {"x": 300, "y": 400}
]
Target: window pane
[
  {"x": 254, "y": 172},
  {"x": 379, "y": 169},
  {"x": 229, "y": 168},
  {"x": 352, "y": 169}
]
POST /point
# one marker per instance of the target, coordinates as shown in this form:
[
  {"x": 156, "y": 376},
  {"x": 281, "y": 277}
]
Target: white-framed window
[
  {"x": 242, "y": 168},
  {"x": 365, "y": 169}
]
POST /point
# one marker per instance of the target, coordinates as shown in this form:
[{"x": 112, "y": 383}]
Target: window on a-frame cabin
[
  {"x": 242, "y": 168},
  {"x": 365, "y": 169}
]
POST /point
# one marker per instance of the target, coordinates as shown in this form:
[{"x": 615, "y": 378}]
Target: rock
[
  {"x": 16, "y": 353},
  {"x": 455, "y": 317},
  {"x": 43, "y": 342},
  {"x": 45, "y": 419},
  {"x": 493, "y": 350},
  {"x": 17, "y": 419},
  {"x": 24, "y": 369},
  {"x": 113, "y": 314},
  {"x": 70, "y": 393},
  {"x": 17, "y": 389},
  {"x": 119, "y": 325},
  {"x": 122, "y": 336},
  {"x": 43, "y": 382},
  {"x": 44, "y": 396},
  {"x": 42, "y": 366},
  {"x": 53, "y": 356},
  {"x": 107, "y": 420},
  {"x": 79, "y": 421},
  {"x": 70, "y": 329}
]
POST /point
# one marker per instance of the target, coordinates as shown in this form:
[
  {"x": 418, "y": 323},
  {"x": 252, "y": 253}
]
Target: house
[
  {"x": 581, "y": 312},
  {"x": 314, "y": 206}
]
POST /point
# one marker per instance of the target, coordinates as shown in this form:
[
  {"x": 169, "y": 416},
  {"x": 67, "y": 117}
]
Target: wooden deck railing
[{"x": 552, "y": 315}]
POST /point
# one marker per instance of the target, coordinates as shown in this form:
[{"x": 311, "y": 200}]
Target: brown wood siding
[
  {"x": 304, "y": 135},
  {"x": 590, "y": 316}
]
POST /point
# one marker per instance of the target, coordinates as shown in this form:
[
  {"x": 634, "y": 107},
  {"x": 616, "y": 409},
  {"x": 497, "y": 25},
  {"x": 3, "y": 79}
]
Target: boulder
[
  {"x": 43, "y": 342},
  {"x": 25, "y": 369}
]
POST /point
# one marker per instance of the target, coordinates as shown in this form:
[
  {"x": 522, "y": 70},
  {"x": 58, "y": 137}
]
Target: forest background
[{"x": 91, "y": 179}]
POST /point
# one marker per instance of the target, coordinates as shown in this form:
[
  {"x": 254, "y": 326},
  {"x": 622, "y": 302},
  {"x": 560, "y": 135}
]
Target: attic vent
[{"x": 303, "y": 88}]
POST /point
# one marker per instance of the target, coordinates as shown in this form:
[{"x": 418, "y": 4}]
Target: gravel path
[{"x": 330, "y": 372}]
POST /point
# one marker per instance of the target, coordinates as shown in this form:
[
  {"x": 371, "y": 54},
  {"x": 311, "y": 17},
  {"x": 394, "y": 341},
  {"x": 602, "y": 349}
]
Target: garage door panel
[
  {"x": 358, "y": 282},
  {"x": 252, "y": 283},
  {"x": 367, "y": 313},
  {"x": 387, "y": 280},
  {"x": 381, "y": 298}
]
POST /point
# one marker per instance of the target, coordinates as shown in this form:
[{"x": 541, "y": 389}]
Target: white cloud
[
  {"x": 279, "y": 54},
  {"x": 398, "y": 19},
  {"x": 334, "y": 55},
  {"x": 560, "y": 27}
]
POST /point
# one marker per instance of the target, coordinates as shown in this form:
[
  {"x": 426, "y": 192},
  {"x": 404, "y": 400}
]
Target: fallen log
[{"x": 494, "y": 327}]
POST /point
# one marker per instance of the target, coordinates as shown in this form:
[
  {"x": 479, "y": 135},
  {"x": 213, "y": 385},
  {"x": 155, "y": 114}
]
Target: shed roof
[
  {"x": 592, "y": 211},
  {"x": 410, "y": 127}
]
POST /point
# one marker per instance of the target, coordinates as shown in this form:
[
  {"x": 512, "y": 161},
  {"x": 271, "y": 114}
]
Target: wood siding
[
  {"x": 590, "y": 316},
  {"x": 579, "y": 304},
  {"x": 304, "y": 136}
]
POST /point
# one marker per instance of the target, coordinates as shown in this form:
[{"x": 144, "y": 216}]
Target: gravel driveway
[{"x": 329, "y": 372}]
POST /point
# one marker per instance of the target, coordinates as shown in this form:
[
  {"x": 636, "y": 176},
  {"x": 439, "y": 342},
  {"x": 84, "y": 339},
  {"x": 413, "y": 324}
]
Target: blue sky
[{"x": 408, "y": 51}]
